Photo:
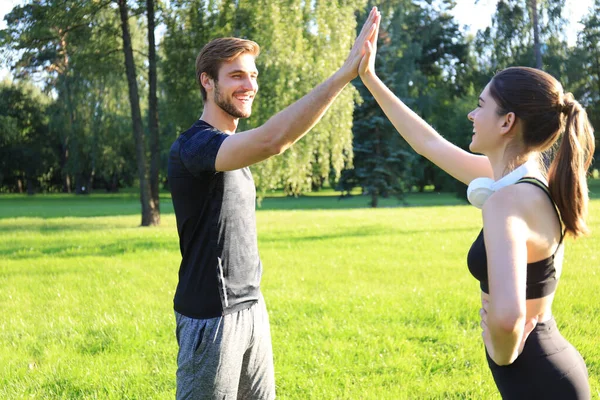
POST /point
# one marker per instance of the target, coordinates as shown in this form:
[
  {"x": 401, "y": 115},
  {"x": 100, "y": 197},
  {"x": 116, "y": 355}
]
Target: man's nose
[{"x": 249, "y": 83}]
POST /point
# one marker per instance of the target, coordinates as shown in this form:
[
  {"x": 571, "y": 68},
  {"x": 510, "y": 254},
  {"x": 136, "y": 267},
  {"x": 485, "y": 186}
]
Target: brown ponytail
[
  {"x": 546, "y": 112},
  {"x": 567, "y": 175}
]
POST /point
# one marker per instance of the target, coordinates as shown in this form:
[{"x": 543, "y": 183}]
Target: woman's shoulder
[{"x": 526, "y": 200}]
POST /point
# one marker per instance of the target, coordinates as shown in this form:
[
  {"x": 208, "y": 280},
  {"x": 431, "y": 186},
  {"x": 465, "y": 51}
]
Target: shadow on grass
[
  {"x": 362, "y": 232},
  {"x": 127, "y": 204},
  {"x": 64, "y": 205},
  {"x": 140, "y": 245},
  {"x": 328, "y": 202},
  {"x": 89, "y": 249},
  {"x": 79, "y": 224}
]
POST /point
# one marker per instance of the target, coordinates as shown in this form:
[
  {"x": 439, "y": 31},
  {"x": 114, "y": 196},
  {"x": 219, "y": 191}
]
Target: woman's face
[{"x": 487, "y": 124}]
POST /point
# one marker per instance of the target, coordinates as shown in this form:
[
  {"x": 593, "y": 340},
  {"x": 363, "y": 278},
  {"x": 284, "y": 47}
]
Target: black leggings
[{"x": 548, "y": 368}]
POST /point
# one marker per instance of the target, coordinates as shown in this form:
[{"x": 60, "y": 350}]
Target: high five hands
[
  {"x": 368, "y": 34},
  {"x": 367, "y": 63}
]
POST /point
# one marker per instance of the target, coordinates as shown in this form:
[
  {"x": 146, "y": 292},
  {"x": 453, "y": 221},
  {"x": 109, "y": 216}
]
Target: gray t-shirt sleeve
[{"x": 199, "y": 153}]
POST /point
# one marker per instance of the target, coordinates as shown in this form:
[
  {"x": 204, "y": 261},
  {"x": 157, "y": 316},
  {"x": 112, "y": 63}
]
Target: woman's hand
[
  {"x": 529, "y": 327},
  {"x": 367, "y": 64},
  {"x": 485, "y": 332},
  {"x": 487, "y": 337}
]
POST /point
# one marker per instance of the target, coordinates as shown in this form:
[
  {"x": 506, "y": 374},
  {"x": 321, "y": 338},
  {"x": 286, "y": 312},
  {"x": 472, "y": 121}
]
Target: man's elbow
[
  {"x": 279, "y": 149},
  {"x": 275, "y": 148}
]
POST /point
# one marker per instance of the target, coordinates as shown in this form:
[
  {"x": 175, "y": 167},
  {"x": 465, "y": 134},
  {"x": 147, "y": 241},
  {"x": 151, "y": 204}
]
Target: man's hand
[{"x": 368, "y": 33}]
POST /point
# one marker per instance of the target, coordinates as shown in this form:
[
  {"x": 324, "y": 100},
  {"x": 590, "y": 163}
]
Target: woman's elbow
[{"x": 509, "y": 322}]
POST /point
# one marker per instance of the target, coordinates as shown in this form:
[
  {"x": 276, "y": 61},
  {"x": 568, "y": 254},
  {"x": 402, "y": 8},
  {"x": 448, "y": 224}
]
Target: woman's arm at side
[{"x": 506, "y": 228}]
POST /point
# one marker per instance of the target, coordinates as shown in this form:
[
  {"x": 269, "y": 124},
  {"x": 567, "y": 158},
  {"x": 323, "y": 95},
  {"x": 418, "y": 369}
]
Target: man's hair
[{"x": 218, "y": 51}]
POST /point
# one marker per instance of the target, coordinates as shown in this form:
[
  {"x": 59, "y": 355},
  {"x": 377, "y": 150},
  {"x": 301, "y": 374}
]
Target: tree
[
  {"x": 537, "y": 49},
  {"x": 153, "y": 112},
  {"x": 25, "y": 146},
  {"x": 48, "y": 34},
  {"x": 585, "y": 66},
  {"x": 421, "y": 60},
  {"x": 73, "y": 45},
  {"x": 150, "y": 214},
  {"x": 302, "y": 44},
  {"x": 521, "y": 33}
]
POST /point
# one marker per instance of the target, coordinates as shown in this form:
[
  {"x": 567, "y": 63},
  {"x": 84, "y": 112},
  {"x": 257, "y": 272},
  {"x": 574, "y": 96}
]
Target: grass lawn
[{"x": 364, "y": 303}]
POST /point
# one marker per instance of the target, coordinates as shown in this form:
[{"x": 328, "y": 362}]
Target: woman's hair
[
  {"x": 537, "y": 99},
  {"x": 218, "y": 51}
]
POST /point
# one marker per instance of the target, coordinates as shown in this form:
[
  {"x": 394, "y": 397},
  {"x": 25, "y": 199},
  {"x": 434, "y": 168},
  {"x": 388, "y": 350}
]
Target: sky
[{"x": 475, "y": 14}]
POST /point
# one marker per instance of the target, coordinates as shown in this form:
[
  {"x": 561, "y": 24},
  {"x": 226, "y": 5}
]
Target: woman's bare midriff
[{"x": 541, "y": 307}]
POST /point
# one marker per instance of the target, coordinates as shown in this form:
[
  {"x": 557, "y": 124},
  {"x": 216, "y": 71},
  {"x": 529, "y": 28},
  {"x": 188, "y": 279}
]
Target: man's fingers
[
  {"x": 361, "y": 41},
  {"x": 373, "y": 32},
  {"x": 368, "y": 23}
]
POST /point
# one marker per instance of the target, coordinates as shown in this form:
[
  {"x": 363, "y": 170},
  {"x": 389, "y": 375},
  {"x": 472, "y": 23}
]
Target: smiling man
[{"x": 222, "y": 323}]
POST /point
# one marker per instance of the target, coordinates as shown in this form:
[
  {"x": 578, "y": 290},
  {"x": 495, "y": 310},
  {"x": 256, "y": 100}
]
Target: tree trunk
[
  {"x": 374, "y": 199},
  {"x": 64, "y": 158},
  {"x": 114, "y": 183},
  {"x": 537, "y": 47},
  {"x": 375, "y": 192},
  {"x": 153, "y": 112},
  {"x": 90, "y": 185},
  {"x": 71, "y": 113},
  {"x": 149, "y": 212}
]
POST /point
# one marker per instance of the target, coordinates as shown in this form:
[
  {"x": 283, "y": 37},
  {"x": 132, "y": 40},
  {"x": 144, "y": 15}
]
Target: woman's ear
[{"x": 510, "y": 121}]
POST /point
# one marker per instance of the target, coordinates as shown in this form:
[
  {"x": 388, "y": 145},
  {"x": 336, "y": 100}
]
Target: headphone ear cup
[{"x": 479, "y": 190}]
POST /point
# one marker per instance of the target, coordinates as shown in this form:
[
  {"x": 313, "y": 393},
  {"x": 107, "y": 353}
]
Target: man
[{"x": 222, "y": 323}]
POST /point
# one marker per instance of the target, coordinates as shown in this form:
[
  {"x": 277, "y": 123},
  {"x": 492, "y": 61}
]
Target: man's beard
[{"x": 227, "y": 106}]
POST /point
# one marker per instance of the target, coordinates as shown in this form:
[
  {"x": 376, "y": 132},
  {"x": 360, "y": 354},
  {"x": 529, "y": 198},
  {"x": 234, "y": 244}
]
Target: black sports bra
[{"x": 541, "y": 275}]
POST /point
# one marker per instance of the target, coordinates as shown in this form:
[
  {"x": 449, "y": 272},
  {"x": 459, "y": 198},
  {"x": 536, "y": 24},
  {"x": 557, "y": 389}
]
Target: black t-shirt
[{"x": 220, "y": 268}]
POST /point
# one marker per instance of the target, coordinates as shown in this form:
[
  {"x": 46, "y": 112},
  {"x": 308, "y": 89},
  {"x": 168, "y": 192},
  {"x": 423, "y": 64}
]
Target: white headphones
[{"x": 481, "y": 188}]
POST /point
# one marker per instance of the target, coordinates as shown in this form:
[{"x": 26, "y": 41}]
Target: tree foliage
[
  {"x": 25, "y": 157},
  {"x": 302, "y": 43},
  {"x": 421, "y": 57},
  {"x": 73, "y": 50}
]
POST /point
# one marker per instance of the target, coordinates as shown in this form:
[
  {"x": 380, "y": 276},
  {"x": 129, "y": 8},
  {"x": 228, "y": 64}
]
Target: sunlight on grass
[{"x": 364, "y": 303}]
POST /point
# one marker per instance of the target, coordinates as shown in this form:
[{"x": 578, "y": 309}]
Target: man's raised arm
[{"x": 289, "y": 125}]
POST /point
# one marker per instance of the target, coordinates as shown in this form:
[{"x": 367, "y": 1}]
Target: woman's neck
[{"x": 503, "y": 166}]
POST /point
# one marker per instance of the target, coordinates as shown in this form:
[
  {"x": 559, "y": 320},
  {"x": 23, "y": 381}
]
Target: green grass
[{"x": 364, "y": 303}]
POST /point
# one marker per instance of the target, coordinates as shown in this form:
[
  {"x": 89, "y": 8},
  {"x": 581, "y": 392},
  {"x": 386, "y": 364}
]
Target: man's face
[{"x": 236, "y": 86}]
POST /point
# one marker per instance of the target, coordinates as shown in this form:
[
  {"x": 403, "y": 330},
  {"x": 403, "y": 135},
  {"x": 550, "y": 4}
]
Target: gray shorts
[{"x": 229, "y": 357}]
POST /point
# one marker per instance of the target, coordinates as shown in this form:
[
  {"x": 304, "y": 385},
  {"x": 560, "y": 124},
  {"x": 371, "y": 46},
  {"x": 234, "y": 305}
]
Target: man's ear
[
  {"x": 207, "y": 82},
  {"x": 509, "y": 122}
]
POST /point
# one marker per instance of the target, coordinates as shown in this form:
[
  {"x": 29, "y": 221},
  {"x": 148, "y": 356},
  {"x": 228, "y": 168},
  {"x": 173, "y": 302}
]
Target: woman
[{"x": 517, "y": 257}]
